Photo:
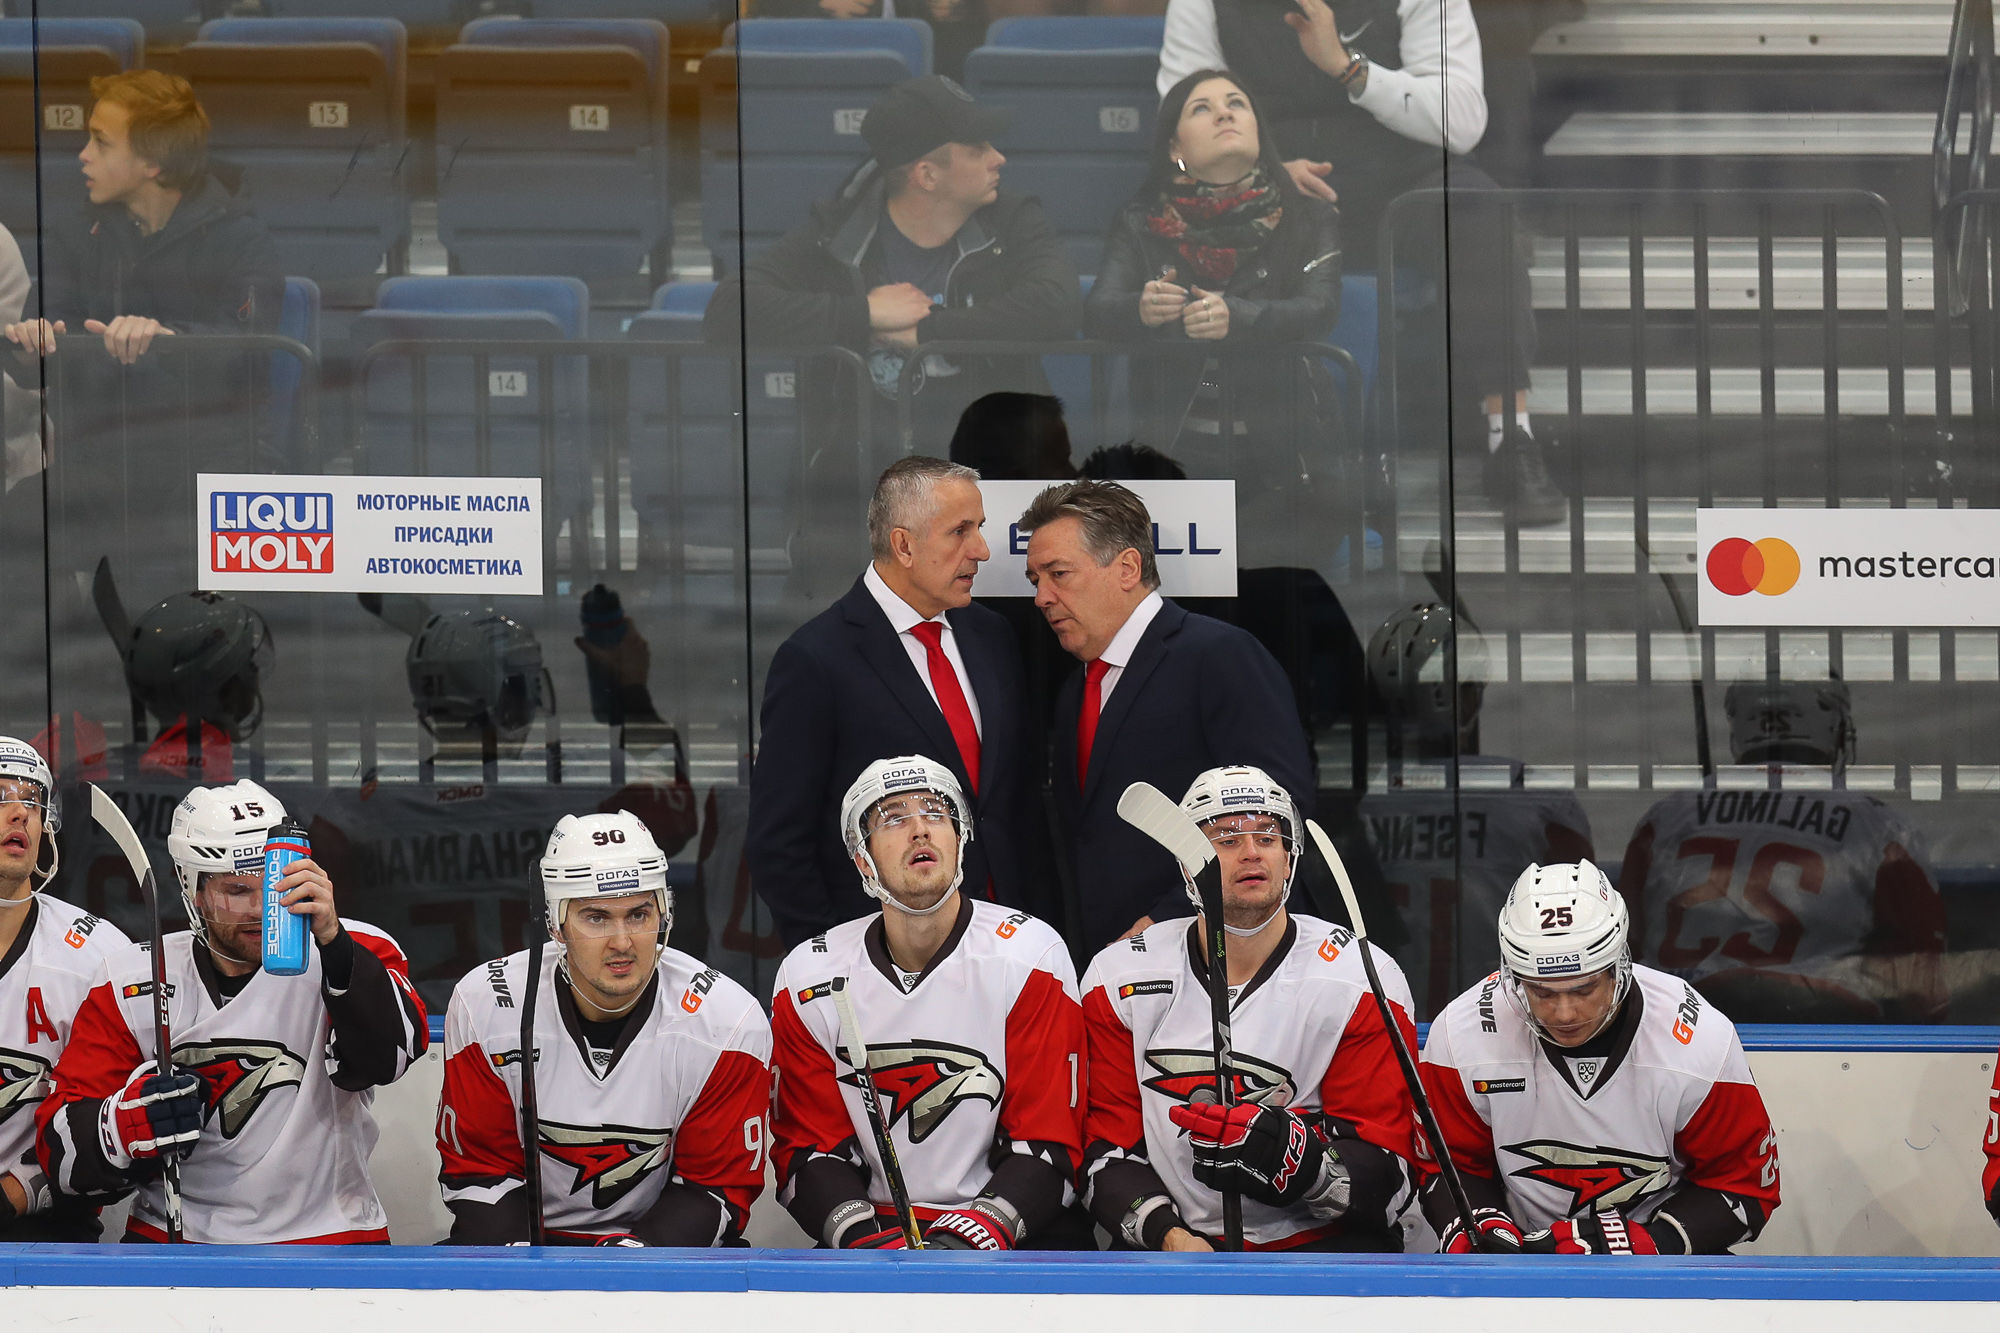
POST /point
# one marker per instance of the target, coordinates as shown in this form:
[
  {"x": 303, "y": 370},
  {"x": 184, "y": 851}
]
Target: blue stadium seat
[
  {"x": 804, "y": 86},
  {"x": 169, "y": 22},
  {"x": 1082, "y": 119},
  {"x": 71, "y": 54},
  {"x": 674, "y": 13},
  {"x": 552, "y": 146},
  {"x": 298, "y": 318},
  {"x": 1094, "y": 32},
  {"x": 313, "y": 109},
  {"x": 429, "y": 15},
  {"x": 430, "y": 425}
]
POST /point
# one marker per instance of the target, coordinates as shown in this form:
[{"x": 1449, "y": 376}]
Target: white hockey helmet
[
  {"x": 1564, "y": 922},
  {"x": 604, "y": 856},
  {"x": 1240, "y": 789},
  {"x": 220, "y": 831},
  {"x": 23, "y": 762},
  {"x": 1791, "y": 722},
  {"x": 893, "y": 777}
]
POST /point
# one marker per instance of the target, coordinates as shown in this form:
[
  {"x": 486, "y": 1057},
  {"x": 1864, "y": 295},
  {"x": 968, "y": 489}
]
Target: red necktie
[
  {"x": 1086, "y": 720},
  {"x": 950, "y": 696}
]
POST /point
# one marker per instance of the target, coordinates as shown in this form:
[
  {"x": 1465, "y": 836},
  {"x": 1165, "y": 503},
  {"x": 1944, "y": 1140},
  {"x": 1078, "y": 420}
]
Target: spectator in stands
[
  {"x": 920, "y": 245},
  {"x": 1352, "y": 116},
  {"x": 1219, "y": 251},
  {"x": 1014, "y": 435},
  {"x": 21, "y": 405}
]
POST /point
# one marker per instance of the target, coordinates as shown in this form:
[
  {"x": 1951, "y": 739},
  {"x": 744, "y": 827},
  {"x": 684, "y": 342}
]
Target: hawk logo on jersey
[
  {"x": 1181, "y": 1072},
  {"x": 239, "y": 1075},
  {"x": 23, "y": 1081},
  {"x": 1596, "y": 1178},
  {"x": 613, "y": 1160},
  {"x": 924, "y": 1082}
]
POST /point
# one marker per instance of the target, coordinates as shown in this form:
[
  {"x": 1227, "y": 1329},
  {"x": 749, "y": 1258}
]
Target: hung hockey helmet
[
  {"x": 1796, "y": 722},
  {"x": 894, "y": 777},
  {"x": 1563, "y": 923},
  {"x": 219, "y": 831},
  {"x": 24, "y": 763},
  {"x": 202, "y": 656},
  {"x": 1409, "y": 657},
  {"x": 1241, "y": 789},
  {"x": 604, "y": 856},
  {"x": 472, "y": 672}
]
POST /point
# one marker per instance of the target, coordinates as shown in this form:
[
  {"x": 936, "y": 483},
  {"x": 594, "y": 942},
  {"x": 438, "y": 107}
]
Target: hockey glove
[
  {"x": 977, "y": 1226},
  {"x": 622, "y": 1240},
  {"x": 1497, "y": 1234},
  {"x": 1265, "y": 1154},
  {"x": 1597, "y": 1233},
  {"x": 892, "y": 1239},
  {"x": 153, "y": 1117}
]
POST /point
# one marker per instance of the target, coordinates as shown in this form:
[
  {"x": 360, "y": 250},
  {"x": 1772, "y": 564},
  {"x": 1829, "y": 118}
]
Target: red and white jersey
[
  {"x": 283, "y": 1155},
  {"x": 682, "y": 1097},
  {"x": 982, "y": 1048},
  {"x": 1449, "y": 859},
  {"x": 1989, "y": 1180},
  {"x": 1602, "y": 1132},
  {"x": 1307, "y": 1035},
  {"x": 43, "y": 980},
  {"x": 1789, "y": 905}
]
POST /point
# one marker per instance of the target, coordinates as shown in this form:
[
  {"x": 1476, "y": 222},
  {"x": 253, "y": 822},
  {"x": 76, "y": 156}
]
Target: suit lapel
[
  {"x": 1151, "y": 651},
  {"x": 882, "y": 649}
]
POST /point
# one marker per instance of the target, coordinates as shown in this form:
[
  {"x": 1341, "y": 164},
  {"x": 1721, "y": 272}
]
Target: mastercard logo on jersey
[
  {"x": 270, "y": 532},
  {"x": 1489, "y": 1086}
]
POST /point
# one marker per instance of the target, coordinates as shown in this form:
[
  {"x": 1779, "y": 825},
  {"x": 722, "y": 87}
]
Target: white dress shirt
[
  {"x": 1117, "y": 655},
  {"x": 902, "y": 618}
]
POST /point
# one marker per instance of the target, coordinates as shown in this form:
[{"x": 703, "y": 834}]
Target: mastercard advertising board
[{"x": 1848, "y": 567}]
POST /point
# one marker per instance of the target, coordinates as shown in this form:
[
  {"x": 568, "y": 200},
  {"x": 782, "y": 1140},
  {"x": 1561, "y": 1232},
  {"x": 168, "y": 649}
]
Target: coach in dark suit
[
  {"x": 902, "y": 664},
  {"x": 1164, "y": 694}
]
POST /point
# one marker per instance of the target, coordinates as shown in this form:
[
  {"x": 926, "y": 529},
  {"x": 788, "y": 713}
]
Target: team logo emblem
[
  {"x": 1181, "y": 1072},
  {"x": 23, "y": 1081},
  {"x": 924, "y": 1082},
  {"x": 239, "y": 1075},
  {"x": 1596, "y": 1178},
  {"x": 613, "y": 1160}
]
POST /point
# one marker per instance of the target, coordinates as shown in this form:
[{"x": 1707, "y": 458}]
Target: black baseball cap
[{"x": 920, "y": 115}]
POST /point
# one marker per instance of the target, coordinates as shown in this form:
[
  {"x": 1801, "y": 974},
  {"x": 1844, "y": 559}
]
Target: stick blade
[
  {"x": 104, "y": 812},
  {"x": 1158, "y": 816},
  {"x": 1331, "y": 855}
]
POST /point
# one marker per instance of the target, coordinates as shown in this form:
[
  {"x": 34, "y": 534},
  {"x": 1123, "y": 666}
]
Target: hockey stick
[
  {"x": 1155, "y": 814},
  {"x": 885, "y": 1148},
  {"x": 1441, "y": 1150},
  {"x": 105, "y": 812},
  {"x": 531, "y": 1115}
]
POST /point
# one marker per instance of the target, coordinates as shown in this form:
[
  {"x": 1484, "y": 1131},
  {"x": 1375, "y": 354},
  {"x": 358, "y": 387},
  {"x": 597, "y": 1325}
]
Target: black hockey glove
[
  {"x": 153, "y": 1117},
  {"x": 1266, "y": 1154}
]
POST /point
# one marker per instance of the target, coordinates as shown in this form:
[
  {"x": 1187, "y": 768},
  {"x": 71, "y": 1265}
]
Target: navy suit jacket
[
  {"x": 842, "y": 693},
  {"x": 1197, "y": 694}
]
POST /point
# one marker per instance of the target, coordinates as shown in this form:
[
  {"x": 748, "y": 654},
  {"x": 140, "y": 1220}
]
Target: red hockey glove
[
  {"x": 1596, "y": 1233},
  {"x": 892, "y": 1239},
  {"x": 977, "y": 1226},
  {"x": 1498, "y": 1234},
  {"x": 1264, "y": 1153},
  {"x": 153, "y": 1117}
]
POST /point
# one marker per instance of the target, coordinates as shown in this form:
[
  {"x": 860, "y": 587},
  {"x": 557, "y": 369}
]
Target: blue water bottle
[{"x": 284, "y": 932}]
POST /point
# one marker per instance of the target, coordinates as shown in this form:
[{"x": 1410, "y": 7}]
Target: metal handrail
[{"x": 1968, "y": 87}]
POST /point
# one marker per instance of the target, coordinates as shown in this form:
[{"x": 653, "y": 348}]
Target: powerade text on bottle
[{"x": 284, "y": 932}]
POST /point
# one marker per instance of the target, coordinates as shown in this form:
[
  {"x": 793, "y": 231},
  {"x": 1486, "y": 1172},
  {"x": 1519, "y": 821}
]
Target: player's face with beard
[
  {"x": 232, "y": 909},
  {"x": 1572, "y": 1012},
  {"x": 1255, "y": 866},
  {"x": 610, "y": 943},
  {"x": 915, "y": 846}
]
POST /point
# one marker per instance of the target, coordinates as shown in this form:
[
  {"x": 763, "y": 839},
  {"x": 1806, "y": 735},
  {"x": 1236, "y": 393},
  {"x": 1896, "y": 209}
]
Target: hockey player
[
  {"x": 1799, "y": 905},
  {"x": 1606, "y": 1108},
  {"x": 652, "y": 1072},
  {"x": 49, "y": 951},
  {"x": 1989, "y": 1181},
  {"x": 968, "y": 1013},
  {"x": 1319, "y": 1145},
  {"x": 1450, "y": 852},
  {"x": 268, "y": 1104}
]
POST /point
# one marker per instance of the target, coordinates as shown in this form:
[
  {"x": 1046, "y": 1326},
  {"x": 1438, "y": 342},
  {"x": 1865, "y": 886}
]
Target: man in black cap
[{"x": 920, "y": 245}]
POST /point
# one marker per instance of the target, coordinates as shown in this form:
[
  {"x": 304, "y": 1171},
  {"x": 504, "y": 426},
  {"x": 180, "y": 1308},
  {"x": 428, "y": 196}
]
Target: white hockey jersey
[
  {"x": 1307, "y": 1035},
  {"x": 984, "y": 1047},
  {"x": 1449, "y": 859},
  {"x": 682, "y": 1097},
  {"x": 43, "y": 980},
  {"x": 1570, "y": 1135},
  {"x": 1789, "y": 906},
  {"x": 283, "y": 1155}
]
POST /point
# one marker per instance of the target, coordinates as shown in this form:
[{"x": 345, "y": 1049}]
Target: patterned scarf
[{"x": 1217, "y": 227}]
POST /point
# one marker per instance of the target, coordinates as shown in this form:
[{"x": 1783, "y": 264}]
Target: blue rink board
[{"x": 1728, "y": 1278}]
